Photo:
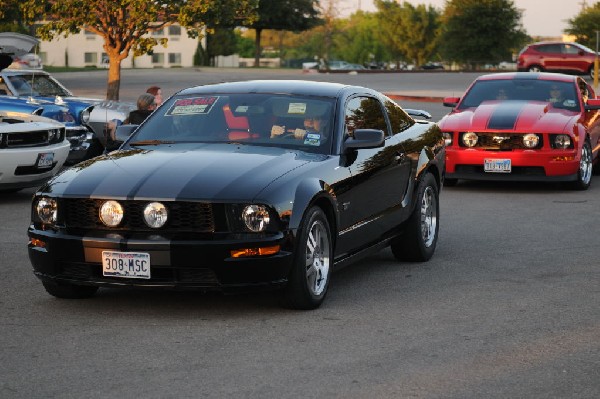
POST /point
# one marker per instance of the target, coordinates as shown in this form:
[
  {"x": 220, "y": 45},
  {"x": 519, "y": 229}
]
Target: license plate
[
  {"x": 45, "y": 160},
  {"x": 126, "y": 264},
  {"x": 497, "y": 165}
]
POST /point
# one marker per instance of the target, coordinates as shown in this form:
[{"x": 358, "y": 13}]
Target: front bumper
[
  {"x": 176, "y": 262},
  {"x": 527, "y": 165},
  {"x": 18, "y": 165}
]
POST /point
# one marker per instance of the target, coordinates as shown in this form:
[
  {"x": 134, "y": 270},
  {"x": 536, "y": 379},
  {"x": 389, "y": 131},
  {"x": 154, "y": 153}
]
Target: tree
[
  {"x": 410, "y": 32},
  {"x": 481, "y": 31},
  {"x": 293, "y": 15},
  {"x": 584, "y": 25},
  {"x": 125, "y": 24},
  {"x": 358, "y": 41},
  {"x": 14, "y": 15}
]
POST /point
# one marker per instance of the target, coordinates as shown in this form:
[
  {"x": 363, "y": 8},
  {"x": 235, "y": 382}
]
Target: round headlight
[
  {"x": 111, "y": 213},
  {"x": 447, "y": 138},
  {"x": 562, "y": 141},
  {"x": 470, "y": 139},
  {"x": 46, "y": 209},
  {"x": 531, "y": 140},
  {"x": 155, "y": 215},
  {"x": 256, "y": 217},
  {"x": 85, "y": 115}
]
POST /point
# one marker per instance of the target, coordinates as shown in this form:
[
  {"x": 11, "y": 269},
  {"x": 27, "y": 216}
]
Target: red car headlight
[
  {"x": 531, "y": 140},
  {"x": 470, "y": 139}
]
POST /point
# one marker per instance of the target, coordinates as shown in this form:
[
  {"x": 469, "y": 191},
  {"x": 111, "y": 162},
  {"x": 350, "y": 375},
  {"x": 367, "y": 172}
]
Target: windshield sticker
[
  {"x": 242, "y": 109},
  {"x": 192, "y": 106},
  {"x": 313, "y": 139},
  {"x": 297, "y": 108},
  {"x": 570, "y": 103}
]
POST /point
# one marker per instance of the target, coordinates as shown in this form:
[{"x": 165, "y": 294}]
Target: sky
[{"x": 540, "y": 17}]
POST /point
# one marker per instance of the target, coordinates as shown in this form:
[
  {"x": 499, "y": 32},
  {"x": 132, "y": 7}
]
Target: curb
[{"x": 425, "y": 99}]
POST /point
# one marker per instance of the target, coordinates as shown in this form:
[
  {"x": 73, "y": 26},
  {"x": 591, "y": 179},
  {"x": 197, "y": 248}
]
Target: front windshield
[
  {"x": 36, "y": 85},
  {"x": 296, "y": 122},
  {"x": 559, "y": 94}
]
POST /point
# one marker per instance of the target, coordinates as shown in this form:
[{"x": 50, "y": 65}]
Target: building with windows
[{"x": 85, "y": 50}]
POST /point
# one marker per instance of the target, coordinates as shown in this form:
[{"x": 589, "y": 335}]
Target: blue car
[
  {"x": 74, "y": 115},
  {"x": 28, "y": 90}
]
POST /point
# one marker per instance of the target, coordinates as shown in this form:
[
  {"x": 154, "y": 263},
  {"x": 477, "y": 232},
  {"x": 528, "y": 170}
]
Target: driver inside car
[{"x": 311, "y": 125}]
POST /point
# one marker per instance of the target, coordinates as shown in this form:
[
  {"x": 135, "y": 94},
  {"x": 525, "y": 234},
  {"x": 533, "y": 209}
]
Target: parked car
[
  {"x": 432, "y": 65},
  {"x": 343, "y": 65},
  {"x": 74, "y": 114},
  {"x": 27, "y": 61},
  {"x": 207, "y": 194},
  {"x": 557, "y": 57},
  {"x": 40, "y": 86},
  {"x": 32, "y": 149},
  {"x": 523, "y": 127}
]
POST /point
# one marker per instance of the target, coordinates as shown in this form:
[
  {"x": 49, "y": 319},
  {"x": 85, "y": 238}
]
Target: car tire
[
  {"x": 419, "y": 238},
  {"x": 591, "y": 71},
  {"x": 584, "y": 174},
  {"x": 69, "y": 291},
  {"x": 450, "y": 182},
  {"x": 535, "y": 68},
  {"x": 313, "y": 261}
]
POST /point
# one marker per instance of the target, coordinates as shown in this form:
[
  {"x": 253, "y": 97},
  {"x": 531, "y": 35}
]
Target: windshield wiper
[{"x": 151, "y": 142}]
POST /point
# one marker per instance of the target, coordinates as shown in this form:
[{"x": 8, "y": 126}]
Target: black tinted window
[
  {"x": 364, "y": 113},
  {"x": 549, "y": 48},
  {"x": 399, "y": 119}
]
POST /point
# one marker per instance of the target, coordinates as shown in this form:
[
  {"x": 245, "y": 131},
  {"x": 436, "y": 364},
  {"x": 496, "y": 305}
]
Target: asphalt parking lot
[{"x": 507, "y": 308}]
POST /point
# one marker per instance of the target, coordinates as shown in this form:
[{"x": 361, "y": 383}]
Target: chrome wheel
[
  {"x": 428, "y": 216},
  {"x": 317, "y": 258},
  {"x": 313, "y": 262},
  {"x": 585, "y": 164},
  {"x": 535, "y": 68}
]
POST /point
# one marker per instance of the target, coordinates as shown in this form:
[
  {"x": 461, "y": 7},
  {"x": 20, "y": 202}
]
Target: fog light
[
  {"x": 470, "y": 139},
  {"x": 111, "y": 213},
  {"x": 155, "y": 215},
  {"x": 531, "y": 140}
]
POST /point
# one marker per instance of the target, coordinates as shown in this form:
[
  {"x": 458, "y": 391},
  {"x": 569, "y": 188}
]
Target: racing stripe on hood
[{"x": 506, "y": 114}]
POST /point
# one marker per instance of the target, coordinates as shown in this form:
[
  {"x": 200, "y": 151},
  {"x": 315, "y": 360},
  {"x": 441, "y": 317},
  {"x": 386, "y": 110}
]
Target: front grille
[
  {"x": 182, "y": 216},
  {"x": 502, "y": 142},
  {"x": 30, "y": 139},
  {"x": 159, "y": 275}
]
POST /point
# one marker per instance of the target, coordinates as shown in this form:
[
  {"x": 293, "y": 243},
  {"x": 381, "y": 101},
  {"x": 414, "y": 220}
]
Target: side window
[
  {"x": 549, "y": 48},
  {"x": 398, "y": 118},
  {"x": 364, "y": 113},
  {"x": 570, "y": 49}
]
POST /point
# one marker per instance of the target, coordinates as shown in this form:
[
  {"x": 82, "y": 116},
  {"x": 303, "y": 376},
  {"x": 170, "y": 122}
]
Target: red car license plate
[{"x": 497, "y": 165}]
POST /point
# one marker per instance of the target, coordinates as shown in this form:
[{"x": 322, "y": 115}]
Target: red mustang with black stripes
[{"x": 523, "y": 127}]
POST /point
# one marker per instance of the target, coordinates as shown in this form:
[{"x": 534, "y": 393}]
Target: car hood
[
  {"x": 222, "y": 172},
  {"x": 518, "y": 116}
]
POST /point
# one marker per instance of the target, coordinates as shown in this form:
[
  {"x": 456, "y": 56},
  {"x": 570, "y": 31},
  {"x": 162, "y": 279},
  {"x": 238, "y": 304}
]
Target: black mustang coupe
[{"x": 244, "y": 185}]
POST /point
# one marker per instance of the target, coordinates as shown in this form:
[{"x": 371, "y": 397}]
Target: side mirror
[
  {"x": 365, "y": 138},
  {"x": 592, "y": 104},
  {"x": 451, "y": 101}
]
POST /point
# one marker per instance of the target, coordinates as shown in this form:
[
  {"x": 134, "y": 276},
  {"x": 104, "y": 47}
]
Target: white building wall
[{"x": 85, "y": 49}]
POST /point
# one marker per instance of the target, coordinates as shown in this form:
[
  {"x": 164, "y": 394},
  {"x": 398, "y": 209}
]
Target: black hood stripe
[{"x": 506, "y": 114}]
